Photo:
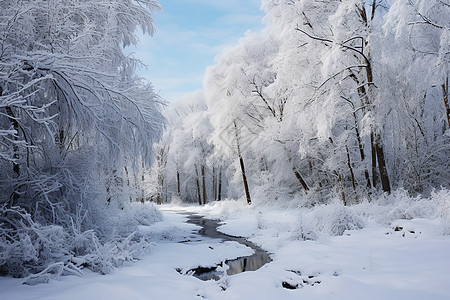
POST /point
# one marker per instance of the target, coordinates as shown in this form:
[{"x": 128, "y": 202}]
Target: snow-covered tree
[
  {"x": 75, "y": 119},
  {"x": 191, "y": 170},
  {"x": 415, "y": 58}
]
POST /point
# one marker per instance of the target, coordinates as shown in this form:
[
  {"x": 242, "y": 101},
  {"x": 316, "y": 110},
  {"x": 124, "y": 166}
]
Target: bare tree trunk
[
  {"x": 203, "y": 184},
  {"x": 341, "y": 187},
  {"x": 241, "y": 162},
  {"x": 142, "y": 182},
  {"x": 363, "y": 157},
  {"x": 178, "y": 183},
  {"x": 219, "y": 192},
  {"x": 361, "y": 92},
  {"x": 244, "y": 178},
  {"x": 161, "y": 189},
  {"x": 374, "y": 161},
  {"x": 198, "y": 186},
  {"x": 446, "y": 103},
  {"x": 300, "y": 179},
  {"x": 349, "y": 164},
  {"x": 296, "y": 172},
  {"x": 385, "y": 184},
  {"x": 214, "y": 183},
  {"x": 160, "y": 192}
]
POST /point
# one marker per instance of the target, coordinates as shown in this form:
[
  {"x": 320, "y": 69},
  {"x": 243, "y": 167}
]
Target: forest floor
[{"x": 405, "y": 259}]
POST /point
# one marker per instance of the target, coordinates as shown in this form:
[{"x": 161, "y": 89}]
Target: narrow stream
[{"x": 238, "y": 265}]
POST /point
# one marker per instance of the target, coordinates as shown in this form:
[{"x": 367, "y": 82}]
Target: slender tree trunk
[
  {"x": 241, "y": 162},
  {"x": 385, "y": 184},
  {"x": 300, "y": 179},
  {"x": 159, "y": 197},
  {"x": 341, "y": 187},
  {"x": 219, "y": 192},
  {"x": 374, "y": 161},
  {"x": 446, "y": 103},
  {"x": 198, "y": 186},
  {"x": 296, "y": 172},
  {"x": 214, "y": 183},
  {"x": 244, "y": 178},
  {"x": 161, "y": 188},
  {"x": 178, "y": 183},
  {"x": 203, "y": 184},
  {"x": 361, "y": 149},
  {"x": 60, "y": 141},
  {"x": 349, "y": 164},
  {"x": 142, "y": 182}
]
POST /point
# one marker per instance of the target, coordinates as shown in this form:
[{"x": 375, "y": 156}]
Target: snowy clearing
[{"x": 407, "y": 259}]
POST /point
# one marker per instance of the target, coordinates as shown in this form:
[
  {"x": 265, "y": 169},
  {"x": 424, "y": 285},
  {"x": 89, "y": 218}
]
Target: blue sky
[{"x": 190, "y": 33}]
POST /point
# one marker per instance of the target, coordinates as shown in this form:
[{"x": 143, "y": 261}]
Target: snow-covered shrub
[
  {"x": 303, "y": 230},
  {"x": 401, "y": 206},
  {"x": 26, "y": 246},
  {"x": 325, "y": 220},
  {"x": 335, "y": 219},
  {"x": 45, "y": 252}
]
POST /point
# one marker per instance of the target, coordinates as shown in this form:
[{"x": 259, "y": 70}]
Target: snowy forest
[
  {"x": 332, "y": 98},
  {"x": 334, "y": 101}
]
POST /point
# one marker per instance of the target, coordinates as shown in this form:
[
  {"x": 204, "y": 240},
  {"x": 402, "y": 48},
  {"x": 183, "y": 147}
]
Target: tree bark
[
  {"x": 214, "y": 183},
  {"x": 349, "y": 164},
  {"x": 300, "y": 179},
  {"x": 361, "y": 92},
  {"x": 374, "y": 161},
  {"x": 446, "y": 103},
  {"x": 203, "y": 184},
  {"x": 244, "y": 178},
  {"x": 341, "y": 187},
  {"x": 219, "y": 192},
  {"x": 385, "y": 184},
  {"x": 198, "y": 186},
  {"x": 241, "y": 162},
  {"x": 178, "y": 183},
  {"x": 142, "y": 199}
]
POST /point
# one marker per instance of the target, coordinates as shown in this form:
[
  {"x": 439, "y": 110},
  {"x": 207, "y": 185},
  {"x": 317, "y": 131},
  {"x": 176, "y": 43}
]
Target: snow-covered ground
[{"x": 398, "y": 259}]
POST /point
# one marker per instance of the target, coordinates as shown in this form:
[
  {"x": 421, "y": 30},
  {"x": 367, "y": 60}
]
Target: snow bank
[{"x": 46, "y": 252}]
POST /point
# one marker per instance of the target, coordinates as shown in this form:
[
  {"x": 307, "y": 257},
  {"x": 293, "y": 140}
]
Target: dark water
[{"x": 239, "y": 265}]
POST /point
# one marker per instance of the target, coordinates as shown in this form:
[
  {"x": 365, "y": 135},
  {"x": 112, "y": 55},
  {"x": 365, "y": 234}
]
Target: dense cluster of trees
[
  {"x": 75, "y": 125},
  {"x": 344, "y": 98}
]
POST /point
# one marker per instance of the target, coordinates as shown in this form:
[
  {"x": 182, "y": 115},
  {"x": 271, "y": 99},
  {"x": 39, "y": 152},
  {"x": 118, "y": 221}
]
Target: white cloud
[{"x": 172, "y": 88}]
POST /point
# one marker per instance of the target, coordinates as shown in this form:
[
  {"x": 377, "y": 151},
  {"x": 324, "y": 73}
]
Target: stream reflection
[{"x": 236, "y": 266}]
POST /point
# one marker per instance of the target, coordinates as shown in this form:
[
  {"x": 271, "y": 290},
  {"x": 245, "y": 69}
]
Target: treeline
[{"x": 341, "y": 99}]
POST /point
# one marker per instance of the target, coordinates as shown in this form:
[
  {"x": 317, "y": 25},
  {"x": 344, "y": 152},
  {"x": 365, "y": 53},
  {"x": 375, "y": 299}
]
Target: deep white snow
[{"x": 402, "y": 259}]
